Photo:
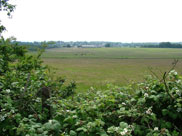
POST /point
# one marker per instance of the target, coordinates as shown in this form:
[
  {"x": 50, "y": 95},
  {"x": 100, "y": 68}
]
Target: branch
[
  {"x": 28, "y": 80},
  {"x": 174, "y": 63},
  {"x": 166, "y": 87},
  {"x": 150, "y": 69}
]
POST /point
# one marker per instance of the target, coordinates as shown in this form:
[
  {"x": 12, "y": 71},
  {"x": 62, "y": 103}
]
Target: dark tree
[
  {"x": 68, "y": 46},
  {"x": 108, "y": 45},
  {"x": 165, "y": 45}
]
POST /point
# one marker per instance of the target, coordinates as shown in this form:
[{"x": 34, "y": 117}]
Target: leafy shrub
[
  {"x": 153, "y": 107},
  {"x": 22, "y": 78},
  {"x": 150, "y": 110}
]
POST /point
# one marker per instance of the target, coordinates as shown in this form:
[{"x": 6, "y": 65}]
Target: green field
[{"x": 98, "y": 66}]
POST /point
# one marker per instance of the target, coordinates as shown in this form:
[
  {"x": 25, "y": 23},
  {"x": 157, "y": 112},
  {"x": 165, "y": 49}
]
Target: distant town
[{"x": 97, "y": 44}]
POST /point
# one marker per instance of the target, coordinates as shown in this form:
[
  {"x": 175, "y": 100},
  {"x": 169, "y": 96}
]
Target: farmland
[
  {"x": 99, "y": 66},
  {"x": 110, "y": 95}
]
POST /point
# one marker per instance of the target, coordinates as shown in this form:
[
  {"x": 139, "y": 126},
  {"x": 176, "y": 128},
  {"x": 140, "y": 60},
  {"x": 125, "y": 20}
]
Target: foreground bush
[
  {"x": 150, "y": 110},
  {"x": 153, "y": 107},
  {"x": 25, "y": 88}
]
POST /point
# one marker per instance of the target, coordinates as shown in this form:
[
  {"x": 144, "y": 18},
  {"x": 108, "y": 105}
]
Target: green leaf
[
  {"x": 73, "y": 133},
  {"x": 111, "y": 129},
  {"x": 173, "y": 115},
  {"x": 81, "y": 129},
  {"x": 168, "y": 125},
  {"x": 103, "y": 135},
  {"x": 164, "y": 112},
  {"x": 123, "y": 124},
  {"x": 153, "y": 117}
]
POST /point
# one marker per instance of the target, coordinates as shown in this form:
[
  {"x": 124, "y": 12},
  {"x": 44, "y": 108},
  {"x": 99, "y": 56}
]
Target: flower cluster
[
  {"x": 149, "y": 111},
  {"x": 124, "y": 132}
]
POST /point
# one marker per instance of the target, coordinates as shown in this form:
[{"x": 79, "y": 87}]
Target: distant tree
[
  {"x": 68, "y": 46},
  {"x": 165, "y": 45},
  {"x": 107, "y": 45},
  {"x": 51, "y": 42}
]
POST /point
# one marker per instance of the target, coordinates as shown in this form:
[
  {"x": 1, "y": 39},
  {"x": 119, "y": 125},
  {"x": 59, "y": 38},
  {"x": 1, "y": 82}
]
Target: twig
[
  {"x": 160, "y": 71},
  {"x": 28, "y": 79},
  {"x": 174, "y": 63},
  {"x": 166, "y": 87},
  {"x": 126, "y": 79},
  {"x": 177, "y": 128},
  {"x": 150, "y": 69},
  {"x": 33, "y": 109}
]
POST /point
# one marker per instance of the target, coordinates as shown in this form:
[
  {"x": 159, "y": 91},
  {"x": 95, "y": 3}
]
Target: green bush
[
  {"x": 153, "y": 107},
  {"x": 149, "y": 110},
  {"x": 22, "y": 79}
]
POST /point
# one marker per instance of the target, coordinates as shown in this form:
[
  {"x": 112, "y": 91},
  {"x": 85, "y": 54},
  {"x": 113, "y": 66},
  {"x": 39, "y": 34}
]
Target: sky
[{"x": 95, "y": 20}]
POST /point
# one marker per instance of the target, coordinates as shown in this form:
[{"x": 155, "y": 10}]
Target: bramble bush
[
  {"x": 142, "y": 109},
  {"x": 150, "y": 108},
  {"x": 22, "y": 78}
]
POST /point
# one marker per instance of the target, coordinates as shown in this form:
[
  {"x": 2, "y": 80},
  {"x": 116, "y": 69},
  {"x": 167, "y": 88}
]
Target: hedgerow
[
  {"x": 33, "y": 104},
  {"x": 149, "y": 110}
]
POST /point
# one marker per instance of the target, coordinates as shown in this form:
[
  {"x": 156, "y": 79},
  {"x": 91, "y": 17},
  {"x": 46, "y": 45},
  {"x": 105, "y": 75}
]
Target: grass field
[{"x": 98, "y": 66}]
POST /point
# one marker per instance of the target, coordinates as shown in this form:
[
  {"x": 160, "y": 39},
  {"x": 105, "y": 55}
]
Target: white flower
[
  {"x": 91, "y": 88},
  {"x": 12, "y": 111},
  {"x": 116, "y": 129},
  {"x": 178, "y": 92},
  {"x": 175, "y": 73},
  {"x": 149, "y": 111},
  {"x": 123, "y": 103},
  {"x": 156, "y": 129},
  {"x": 8, "y": 90},
  {"x": 178, "y": 81},
  {"x": 4, "y": 129},
  {"x": 146, "y": 95},
  {"x": 130, "y": 126},
  {"x": 179, "y": 110},
  {"x": 125, "y": 130},
  {"x": 50, "y": 121},
  {"x": 2, "y": 118},
  {"x": 2, "y": 109},
  {"x": 74, "y": 116},
  {"x": 122, "y": 133},
  {"x": 67, "y": 111}
]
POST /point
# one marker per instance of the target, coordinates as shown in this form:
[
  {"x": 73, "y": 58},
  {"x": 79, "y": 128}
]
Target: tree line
[{"x": 164, "y": 45}]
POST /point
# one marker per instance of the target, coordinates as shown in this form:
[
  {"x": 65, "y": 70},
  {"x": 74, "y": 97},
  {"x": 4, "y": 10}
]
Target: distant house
[{"x": 89, "y": 46}]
